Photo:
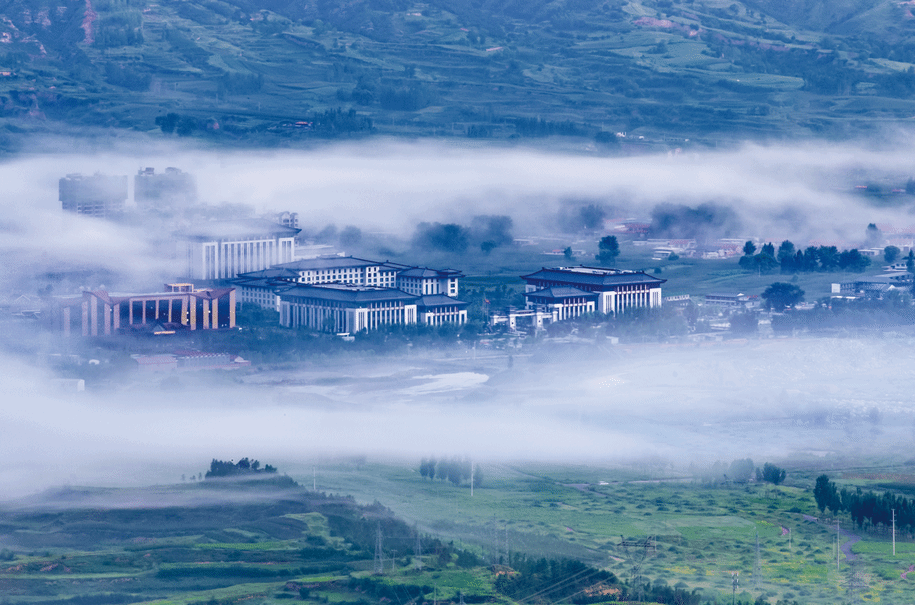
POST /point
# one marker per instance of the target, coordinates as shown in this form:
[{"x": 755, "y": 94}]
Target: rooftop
[
  {"x": 427, "y": 272},
  {"x": 439, "y": 300},
  {"x": 593, "y": 276},
  {"x": 347, "y": 293},
  {"x": 559, "y": 292},
  {"x": 241, "y": 228},
  {"x": 322, "y": 263}
]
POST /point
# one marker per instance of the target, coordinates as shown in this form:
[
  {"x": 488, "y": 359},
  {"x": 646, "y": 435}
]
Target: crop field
[{"x": 696, "y": 534}]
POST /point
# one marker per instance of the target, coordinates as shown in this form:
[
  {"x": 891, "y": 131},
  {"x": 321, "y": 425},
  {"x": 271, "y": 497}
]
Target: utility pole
[
  {"x": 756, "y": 568},
  {"x": 838, "y": 548},
  {"x": 379, "y": 563},
  {"x": 471, "y": 478},
  {"x": 734, "y": 576},
  {"x": 894, "y": 532},
  {"x": 419, "y": 550},
  {"x": 314, "y": 479}
]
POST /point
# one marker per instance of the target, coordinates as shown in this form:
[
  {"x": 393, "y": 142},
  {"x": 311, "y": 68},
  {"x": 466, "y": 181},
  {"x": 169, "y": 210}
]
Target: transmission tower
[
  {"x": 379, "y": 560},
  {"x": 756, "y": 568},
  {"x": 637, "y": 556},
  {"x": 855, "y": 584}
]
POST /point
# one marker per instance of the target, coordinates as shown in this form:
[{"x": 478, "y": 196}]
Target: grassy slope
[
  {"x": 702, "y": 534},
  {"x": 593, "y": 64}
]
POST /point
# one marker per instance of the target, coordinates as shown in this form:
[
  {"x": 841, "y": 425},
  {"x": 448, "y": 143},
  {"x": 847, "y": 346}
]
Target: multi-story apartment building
[{"x": 99, "y": 195}]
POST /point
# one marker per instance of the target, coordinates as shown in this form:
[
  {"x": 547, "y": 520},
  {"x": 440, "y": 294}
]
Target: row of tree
[
  {"x": 790, "y": 260},
  {"x": 741, "y": 471},
  {"x": 222, "y": 468},
  {"x": 455, "y": 470},
  {"x": 865, "y": 507}
]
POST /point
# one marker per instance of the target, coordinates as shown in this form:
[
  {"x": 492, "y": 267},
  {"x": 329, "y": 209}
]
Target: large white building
[
  {"x": 422, "y": 281},
  {"x": 575, "y": 290},
  {"x": 224, "y": 249},
  {"x": 353, "y": 308},
  {"x": 263, "y": 288},
  {"x": 345, "y": 270}
]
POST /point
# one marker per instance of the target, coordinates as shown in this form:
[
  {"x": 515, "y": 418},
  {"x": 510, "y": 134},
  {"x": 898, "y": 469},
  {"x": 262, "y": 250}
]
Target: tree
[
  {"x": 168, "y": 122},
  {"x": 744, "y": 323},
  {"x": 781, "y": 295},
  {"x": 891, "y": 254},
  {"x": 824, "y": 492},
  {"x": 828, "y": 257},
  {"x": 873, "y": 237},
  {"x": 852, "y": 260},
  {"x": 768, "y": 249},
  {"x": 567, "y": 253},
  {"x": 787, "y": 257},
  {"x": 771, "y": 474},
  {"x": 910, "y": 262},
  {"x": 749, "y": 248},
  {"x": 609, "y": 249}
]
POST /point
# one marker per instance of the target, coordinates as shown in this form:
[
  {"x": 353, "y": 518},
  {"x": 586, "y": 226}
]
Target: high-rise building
[
  {"x": 99, "y": 195},
  {"x": 170, "y": 189}
]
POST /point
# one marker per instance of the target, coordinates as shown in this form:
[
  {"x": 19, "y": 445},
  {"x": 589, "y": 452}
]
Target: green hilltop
[{"x": 283, "y": 71}]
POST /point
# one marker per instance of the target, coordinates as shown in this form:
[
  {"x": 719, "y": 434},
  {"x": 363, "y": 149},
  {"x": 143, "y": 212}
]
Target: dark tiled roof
[
  {"x": 237, "y": 229},
  {"x": 427, "y": 272},
  {"x": 439, "y": 300},
  {"x": 328, "y": 262},
  {"x": 272, "y": 272},
  {"x": 276, "y": 285},
  {"x": 351, "y": 294},
  {"x": 560, "y": 292},
  {"x": 593, "y": 276},
  {"x": 323, "y": 263}
]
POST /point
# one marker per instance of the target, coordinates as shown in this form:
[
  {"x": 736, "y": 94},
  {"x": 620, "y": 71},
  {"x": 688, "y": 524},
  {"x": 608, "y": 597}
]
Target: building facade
[
  {"x": 345, "y": 270},
  {"x": 224, "y": 249},
  {"x": 99, "y": 313},
  {"x": 263, "y": 288},
  {"x": 99, "y": 195},
  {"x": 562, "y": 302},
  {"x": 345, "y": 308},
  {"x": 352, "y": 308},
  {"x": 171, "y": 189},
  {"x": 422, "y": 281},
  {"x": 616, "y": 290}
]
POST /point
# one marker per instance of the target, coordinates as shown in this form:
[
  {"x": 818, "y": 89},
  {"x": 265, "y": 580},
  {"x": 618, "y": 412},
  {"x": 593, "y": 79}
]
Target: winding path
[{"x": 846, "y": 546}]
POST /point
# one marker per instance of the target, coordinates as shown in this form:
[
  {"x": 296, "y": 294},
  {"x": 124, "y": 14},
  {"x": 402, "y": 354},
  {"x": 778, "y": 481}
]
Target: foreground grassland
[
  {"x": 696, "y": 535},
  {"x": 193, "y": 544}
]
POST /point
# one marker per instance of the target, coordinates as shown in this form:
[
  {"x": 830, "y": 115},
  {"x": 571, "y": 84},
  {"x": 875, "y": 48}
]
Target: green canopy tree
[
  {"x": 780, "y": 296},
  {"x": 608, "y": 250}
]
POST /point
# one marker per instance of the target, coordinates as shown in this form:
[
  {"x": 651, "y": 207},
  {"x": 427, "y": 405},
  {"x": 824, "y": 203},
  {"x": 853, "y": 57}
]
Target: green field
[{"x": 626, "y": 520}]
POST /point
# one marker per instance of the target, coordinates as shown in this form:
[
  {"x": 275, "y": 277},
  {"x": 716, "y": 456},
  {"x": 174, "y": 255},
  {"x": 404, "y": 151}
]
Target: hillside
[{"x": 280, "y": 71}]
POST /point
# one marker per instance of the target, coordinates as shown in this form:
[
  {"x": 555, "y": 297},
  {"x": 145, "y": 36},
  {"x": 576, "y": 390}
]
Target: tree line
[
  {"x": 741, "y": 471},
  {"x": 221, "y": 468},
  {"x": 864, "y": 507},
  {"x": 455, "y": 470},
  {"x": 791, "y": 260}
]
